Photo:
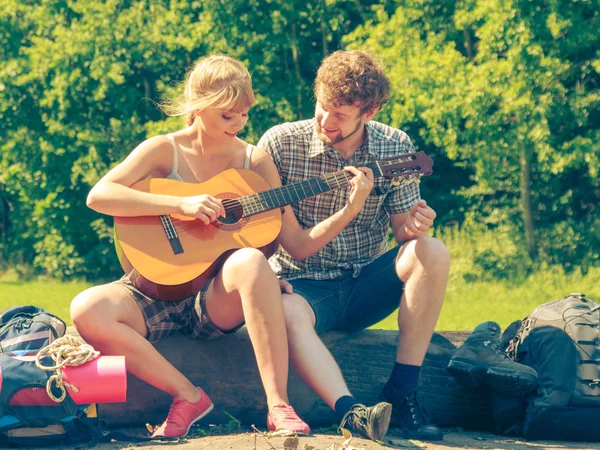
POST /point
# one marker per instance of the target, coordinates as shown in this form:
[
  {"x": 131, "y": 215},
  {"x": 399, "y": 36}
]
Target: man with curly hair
[{"x": 355, "y": 281}]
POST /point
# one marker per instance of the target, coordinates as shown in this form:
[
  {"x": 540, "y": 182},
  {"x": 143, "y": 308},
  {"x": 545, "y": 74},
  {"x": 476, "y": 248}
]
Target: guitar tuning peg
[
  {"x": 395, "y": 181},
  {"x": 406, "y": 180},
  {"x": 416, "y": 179}
]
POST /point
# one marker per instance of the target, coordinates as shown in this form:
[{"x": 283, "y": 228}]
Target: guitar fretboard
[{"x": 291, "y": 193}]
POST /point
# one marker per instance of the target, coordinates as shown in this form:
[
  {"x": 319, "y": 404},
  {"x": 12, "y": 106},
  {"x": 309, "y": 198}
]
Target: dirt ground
[{"x": 453, "y": 439}]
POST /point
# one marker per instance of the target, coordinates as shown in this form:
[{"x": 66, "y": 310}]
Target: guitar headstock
[{"x": 408, "y": 168}]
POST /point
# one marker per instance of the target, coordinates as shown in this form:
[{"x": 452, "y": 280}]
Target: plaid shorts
[{"x": 188, "y": 316}]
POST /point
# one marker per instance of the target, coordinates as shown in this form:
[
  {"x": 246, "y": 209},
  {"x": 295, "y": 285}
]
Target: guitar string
[
  {"x": 255, "y": 205},
  {"x": 336, "y": 177},
  {"x": 237, "y": 207},
  {"x": 184, "y": 225}
]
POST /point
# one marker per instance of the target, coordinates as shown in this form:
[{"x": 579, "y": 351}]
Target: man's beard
[{"x": 339, "y": 137}]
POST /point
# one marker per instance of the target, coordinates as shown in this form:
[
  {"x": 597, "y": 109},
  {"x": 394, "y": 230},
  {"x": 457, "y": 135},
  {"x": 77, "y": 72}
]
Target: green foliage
[
  {"x": 479, "y": 288},
  {"x": 503, "y": 95},
  {"x": 493, "y": 87},
  {"x": 78, "y": 88}
]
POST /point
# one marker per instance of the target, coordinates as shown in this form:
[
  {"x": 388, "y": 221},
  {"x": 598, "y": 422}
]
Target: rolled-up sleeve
[{"x": 401, "y": 198}]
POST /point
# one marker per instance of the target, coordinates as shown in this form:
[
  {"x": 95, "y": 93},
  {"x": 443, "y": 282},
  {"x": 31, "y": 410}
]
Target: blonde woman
[{"x": 116, "y": 318}]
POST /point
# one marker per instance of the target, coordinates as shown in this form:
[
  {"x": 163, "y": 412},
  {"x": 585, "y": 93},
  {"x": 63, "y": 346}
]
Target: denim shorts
[
  {"x": 188, "y": 316},
  {"x": 347, "y": 303}
]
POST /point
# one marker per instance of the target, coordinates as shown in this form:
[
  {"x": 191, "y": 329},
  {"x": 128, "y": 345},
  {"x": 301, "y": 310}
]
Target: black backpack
[
  {"x": 28, "y": 328},
  {"x": 561, "y": 341},
  {"x": 28, "y": 416}
]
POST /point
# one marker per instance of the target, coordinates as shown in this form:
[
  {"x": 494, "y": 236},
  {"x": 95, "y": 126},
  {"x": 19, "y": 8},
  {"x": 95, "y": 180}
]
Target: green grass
[
  {"x": 53, "y": 296},
  {"x": 474, "y": 293},
  {"x": 466, "y": 305}
]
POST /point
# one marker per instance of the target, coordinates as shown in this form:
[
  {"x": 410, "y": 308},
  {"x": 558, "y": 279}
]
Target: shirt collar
[{"x": 317, "y": 146}]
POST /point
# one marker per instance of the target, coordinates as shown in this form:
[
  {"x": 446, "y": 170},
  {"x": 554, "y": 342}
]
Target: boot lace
[
  {"x": 495, "y": 346},
  {"x": 417, "y": 414},
  {"x": 175, "y": 411},
  {"x": 356, "y": 419}
]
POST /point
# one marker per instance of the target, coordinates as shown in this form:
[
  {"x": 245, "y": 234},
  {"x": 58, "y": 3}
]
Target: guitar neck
[{"x": 291, "y": 193}]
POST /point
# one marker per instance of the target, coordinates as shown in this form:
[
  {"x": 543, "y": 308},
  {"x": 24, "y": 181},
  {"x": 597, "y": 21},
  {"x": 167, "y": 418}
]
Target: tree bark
[
  {"x": 227, "y": 370},
  {"x": 468, "y": 44},
  {"x": 324, "y": 32},
  {"x": 297, "y": 71},
  {"x": 525, "y": 188}
]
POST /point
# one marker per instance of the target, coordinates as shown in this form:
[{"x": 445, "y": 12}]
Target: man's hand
[
  {"x": 420, "y": 219},
  {"x": 362, "y": 184},
  {"x": 286, "y": 287}
]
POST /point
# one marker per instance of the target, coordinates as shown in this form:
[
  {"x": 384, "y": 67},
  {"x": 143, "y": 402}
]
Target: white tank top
[{"x": 174, "y": 175}]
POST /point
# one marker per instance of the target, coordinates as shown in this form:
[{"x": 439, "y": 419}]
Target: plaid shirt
[{"x": 299, "y": 154}]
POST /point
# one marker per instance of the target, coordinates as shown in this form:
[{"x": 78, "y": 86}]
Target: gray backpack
[{"x": 561, "y": 341}]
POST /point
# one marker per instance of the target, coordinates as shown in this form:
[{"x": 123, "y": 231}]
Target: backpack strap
[{"x": 513, "y": 345}]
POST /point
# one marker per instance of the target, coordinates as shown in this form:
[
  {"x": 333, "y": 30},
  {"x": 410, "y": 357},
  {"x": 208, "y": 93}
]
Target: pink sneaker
[
  {"x": 283, "y": 417},
  {"x": 182, "y": 416}
]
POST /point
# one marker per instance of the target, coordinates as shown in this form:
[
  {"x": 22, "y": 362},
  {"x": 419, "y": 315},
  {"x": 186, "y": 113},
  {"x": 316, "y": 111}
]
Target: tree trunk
[
  {"x": 468, "y": 44},
  {"x": 297, "y": 70},
  {"x": 4, "y": 223},
  {"x": 324, "y": 32},
  {"x": 226, "y": 369},
  {"x": 525, "y": 188}
]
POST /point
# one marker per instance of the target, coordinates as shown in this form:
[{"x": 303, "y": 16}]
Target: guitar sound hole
[{"x": 233, "y": 216}]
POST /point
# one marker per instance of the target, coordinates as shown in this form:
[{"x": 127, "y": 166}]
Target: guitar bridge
[{"x": 171, "y": 233}]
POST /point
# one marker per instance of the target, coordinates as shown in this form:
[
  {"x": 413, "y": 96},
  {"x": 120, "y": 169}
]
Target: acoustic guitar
[{"x": 172, "y": 257}]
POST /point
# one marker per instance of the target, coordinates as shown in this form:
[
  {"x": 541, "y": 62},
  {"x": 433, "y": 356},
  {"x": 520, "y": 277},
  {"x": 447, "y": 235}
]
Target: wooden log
[{"x": 226, "y": 369}]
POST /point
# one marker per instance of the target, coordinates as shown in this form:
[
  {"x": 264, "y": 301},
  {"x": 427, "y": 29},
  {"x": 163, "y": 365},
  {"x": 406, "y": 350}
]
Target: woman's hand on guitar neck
[
  {"x": 362, "y": 184},
  {"x": 203, "y": 207}
]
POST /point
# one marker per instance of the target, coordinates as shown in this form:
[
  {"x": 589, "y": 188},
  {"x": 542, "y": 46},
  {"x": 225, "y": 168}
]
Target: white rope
[{"x": 65, "y": 351}]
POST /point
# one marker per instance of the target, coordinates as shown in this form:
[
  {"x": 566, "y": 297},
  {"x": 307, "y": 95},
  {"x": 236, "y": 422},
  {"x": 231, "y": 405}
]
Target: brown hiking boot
[
  {"x": 481, "y": 362},
  {"x": 371, "y": 422}
]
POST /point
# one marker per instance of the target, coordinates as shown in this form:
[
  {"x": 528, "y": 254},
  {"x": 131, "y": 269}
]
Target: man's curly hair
[{"x": 352, "y": 77}]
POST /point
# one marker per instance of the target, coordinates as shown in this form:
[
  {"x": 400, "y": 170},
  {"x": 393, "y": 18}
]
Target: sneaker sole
[
  {"x": 407, "y": 434},
  {"x": 299, "y": 433},
  {"x": 209, "y": 409},
  {"x": 380, "y": 427},
  {"x": 507, "y": 382}
]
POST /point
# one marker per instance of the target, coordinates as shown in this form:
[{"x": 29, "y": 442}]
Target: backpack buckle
[{"x": 23, "y": 324}]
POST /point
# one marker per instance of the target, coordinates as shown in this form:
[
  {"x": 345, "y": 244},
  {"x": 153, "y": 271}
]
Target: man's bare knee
[
  {"x": 432, "y": 252},
  {"x": 298, "y": 313},
  {"x": 427, "y": 252}
]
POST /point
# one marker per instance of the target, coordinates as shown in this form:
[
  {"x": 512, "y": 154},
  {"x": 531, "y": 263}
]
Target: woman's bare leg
[
  {"x": 247, "y": 289},
  {"x": 110, "y": 320}
]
